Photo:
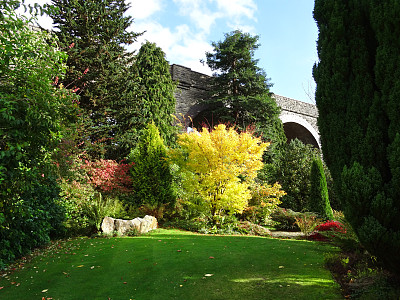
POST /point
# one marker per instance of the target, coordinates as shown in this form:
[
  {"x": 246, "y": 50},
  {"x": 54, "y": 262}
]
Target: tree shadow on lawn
[{"x": 171, "y": 264}]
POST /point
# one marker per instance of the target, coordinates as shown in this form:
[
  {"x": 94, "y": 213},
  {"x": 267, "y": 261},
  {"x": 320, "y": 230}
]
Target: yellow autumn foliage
[{"x": 220, "y": 165}]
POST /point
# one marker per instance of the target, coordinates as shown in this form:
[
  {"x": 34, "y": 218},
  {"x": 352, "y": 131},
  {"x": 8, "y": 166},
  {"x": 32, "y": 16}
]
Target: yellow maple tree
[{"x": 219, "y": 165}]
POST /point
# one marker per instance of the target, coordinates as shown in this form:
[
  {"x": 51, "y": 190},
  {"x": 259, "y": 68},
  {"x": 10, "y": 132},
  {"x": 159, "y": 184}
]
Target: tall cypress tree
[
  {"x": 94, "y": 33},
  {"x": 240, "y": 93},
  {"x": 156, "y": 90},
  {"x": 319, "y": 197},
  {"x": 358, "y": 87}
]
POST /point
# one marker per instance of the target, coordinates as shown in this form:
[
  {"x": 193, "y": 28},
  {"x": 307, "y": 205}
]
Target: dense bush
[
  {"x": 92, "y": 190},
  {"x": 264, "y": 200},
  {"x": 307, "y": 223},
  {"x": 285, "y": 219},
  {"x": 33, "y": 117}
]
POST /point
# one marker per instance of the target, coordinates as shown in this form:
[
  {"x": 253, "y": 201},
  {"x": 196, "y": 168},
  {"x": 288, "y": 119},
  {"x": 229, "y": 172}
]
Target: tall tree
[
  {"x": 240, "y": 93},
  {"x": 358, "y": 87},
  {"x": 156, "y": 90},
  {"x": 94, "y": 33}
]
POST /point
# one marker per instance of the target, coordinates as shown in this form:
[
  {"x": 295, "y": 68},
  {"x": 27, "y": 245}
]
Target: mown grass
[{"x": 171, "y": 264}]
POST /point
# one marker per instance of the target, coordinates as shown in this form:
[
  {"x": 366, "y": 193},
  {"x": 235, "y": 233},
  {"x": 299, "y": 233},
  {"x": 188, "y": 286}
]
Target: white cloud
[
  {"x": 237, "y": 8},
  {"x": 186, "y": 43},
  {"x": 144, "y": 9},
  {"x": 180, "y": 44},
  {"x": 199, "y": 13}
]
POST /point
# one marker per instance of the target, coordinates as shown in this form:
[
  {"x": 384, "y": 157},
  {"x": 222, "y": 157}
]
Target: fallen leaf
[
  {"x": 211, "y": 257},
  {"x": 129, "y": 262},
  {"x": 80, "y": 266},
  {"x": 178, "y": 250},
  {"x": 44, "y": 291},
  {"x": 1, "y": 287},
  {"x": 92, "y": 267},
  {"x": 281, "y": 267},
  {"x": 18, "y": 284},
  {"x": 208, "y": 275},
  {"x": 125, "y": 282}
]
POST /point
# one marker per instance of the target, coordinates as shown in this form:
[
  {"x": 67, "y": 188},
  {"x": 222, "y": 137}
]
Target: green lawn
[{"x": 171, "y": 264}]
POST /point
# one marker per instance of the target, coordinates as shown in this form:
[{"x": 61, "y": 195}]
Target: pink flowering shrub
[
  {"x": 108, "y": 175},
  {"x": 328, "y": 228}
]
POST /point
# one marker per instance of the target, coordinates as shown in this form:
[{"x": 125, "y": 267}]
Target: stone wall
[
  {"x": 307, "y": 111},
  {"x": 193, "y": 87}
]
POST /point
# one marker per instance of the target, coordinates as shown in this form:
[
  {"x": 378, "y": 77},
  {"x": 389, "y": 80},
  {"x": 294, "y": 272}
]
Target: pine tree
[
  {"x": 156, "y": 90},
  {"x": 93, "y": 33},
  {"x": 358, "y": 87},
  {"x": 240, "y": 93}
]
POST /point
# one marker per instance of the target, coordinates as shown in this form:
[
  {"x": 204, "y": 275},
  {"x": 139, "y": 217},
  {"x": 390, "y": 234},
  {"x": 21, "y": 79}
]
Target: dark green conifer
[
  {"x": 240, "y": 92},
  {"x": 152, "y": 179},
  {"x": 358, "y": 87},
  {"x": 156, "y": 90},
  {"x": 319, "y": 197},
  {"x": 94, "y": 34}
]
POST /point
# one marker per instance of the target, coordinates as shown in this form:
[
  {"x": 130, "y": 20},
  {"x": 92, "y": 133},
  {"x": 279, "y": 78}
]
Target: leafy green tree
[
  {"x": 151, "y": 176},
  {"x": 291, "y": 168},
  {"x": 358, "y": 80},
  {"x": 33, "y": 117},
  {"x": 156, "y": 90},
  {"x": 240, "y": 92},
  {"x": 319, "y": 197},
  {"x": 94, "y": 33}
]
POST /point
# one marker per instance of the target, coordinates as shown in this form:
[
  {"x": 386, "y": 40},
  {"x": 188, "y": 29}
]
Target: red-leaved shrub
[
  {"x": 330, "y": 226},
  {"x": 109, "y": 176}
]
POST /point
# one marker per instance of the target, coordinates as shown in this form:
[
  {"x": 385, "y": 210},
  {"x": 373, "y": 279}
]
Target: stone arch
[{"x": 297, "y": 127}]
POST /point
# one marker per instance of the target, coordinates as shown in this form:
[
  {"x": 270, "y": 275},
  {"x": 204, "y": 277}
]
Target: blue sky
[{"x": 184, "y": 29}]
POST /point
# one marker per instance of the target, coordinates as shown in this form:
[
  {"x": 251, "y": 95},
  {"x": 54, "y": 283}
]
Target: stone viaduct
[{"x": 299, "y": 118}]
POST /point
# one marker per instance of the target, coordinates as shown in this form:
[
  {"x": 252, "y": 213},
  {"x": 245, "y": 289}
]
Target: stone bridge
[{"x": 299, "y": 118}]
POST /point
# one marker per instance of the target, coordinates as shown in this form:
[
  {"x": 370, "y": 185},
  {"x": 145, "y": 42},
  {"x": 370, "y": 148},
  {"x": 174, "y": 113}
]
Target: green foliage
[
  {"x": 151, "y": 175},
  {"x": 357, "y": 97},
  {"x": 156, "y": 90},
  {"x": 94, "y": 33},
  {"x": 319, "y": 198},
  {"x": 285, "y": 219},
  {"x": 74, "y": 196},
  {"x": 100, "y": 207},
  {"x": 240, "y": 91},
  {"x": 33, "y": 118},
  {"x": 91, "y": 192},
  {"x": 291, "y": 168}
]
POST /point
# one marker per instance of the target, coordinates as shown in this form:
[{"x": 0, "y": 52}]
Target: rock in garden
[
  {"x": 142, "y": 225},
  {"x": 107, "y": 226}
]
